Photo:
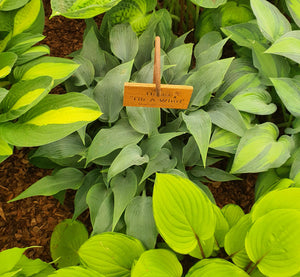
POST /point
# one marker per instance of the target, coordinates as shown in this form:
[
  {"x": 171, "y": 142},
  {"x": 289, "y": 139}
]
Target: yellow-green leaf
[{"x": 7, "y": 60}]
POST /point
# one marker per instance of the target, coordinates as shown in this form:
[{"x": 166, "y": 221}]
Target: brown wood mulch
[{"x": 31, "y": 221}]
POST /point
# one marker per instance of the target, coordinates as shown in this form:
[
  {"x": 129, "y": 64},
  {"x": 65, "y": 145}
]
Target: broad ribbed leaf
[
  {"x": 232, "y": 213},
  {"x": 53, "y": 118},
  {"x": 111, "y": 254},
  {"x": 273, "y": 243},
  {"x": 199, "y": 125},
  {"x": 222, "y": 226},
  {"x": 34, "y": 267},
  {"x": 294, "y": 9},
  {"x": 157, "y": 262},
  {"x": 66, "y": 239},
  {"x": 65, "y": 178},
  {"x": 271, "y": 22},
  {"x": 81, "y": 8},
  {"x": 259, "y": 149},
  {"x": 9, "y": 258},
  {"x": 7, "y": 5},
  {"x": 108, "y": 140},
  {"x": 209, "y": 4},
  {"x": 5, "y": 148},
  {"x": 7, "y": 61},
  {"x": 33, "y": 53},
  {"x": 76, "y": 271},
  {"x": 213, "y": 173},
  {"x": 24, "y": 95},
  {"x": 140, "y": 221},
  {"x": 289, "y": 92},
  {"x": 234, "y": 243},
  {"x": 288, "y": 46},
  {"x": 182, "y": 212}
]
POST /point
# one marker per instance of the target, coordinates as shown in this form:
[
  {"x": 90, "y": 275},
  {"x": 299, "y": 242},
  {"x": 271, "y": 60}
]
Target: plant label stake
[{"x": 157, "y": 95}]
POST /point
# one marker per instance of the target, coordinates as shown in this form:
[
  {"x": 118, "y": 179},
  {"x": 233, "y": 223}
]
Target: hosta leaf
[
  {"x": 199, "y": 125},
  {"x": 124, "y": 189},
  {"x": 5, "y": 148},
  {"x": 259, "y": 150},
  {"x": 182, "y": 212},
  {"x": 108, "y": 140},
  {"x": 9, "y": 258},
  {"x": 109, "y": 91},
  {"x": 31, "y": 267},
  {"x": 289, "y": 92},
  {"x": 215, "y": 267},
  {"x": 190, "y": 155},
  {"x": 255, "y": 101},
  {"x": 274, "y": 251},
  {"x": 59, "y": 69},
  {"x": 232, "y": 213},
  {"x": 271, "y": 22},
  {"x": 157, "y": 262},
  {"x": 212, "y": 173},
  {"x": 234, "y": 243},
  {"x": 209, "y": 4},
  {"x": 287, "y": 45},
  {"x": 53, "y": 118},
  {"x": 222, "y": 226},
  {"x": 7, "y": 61},
  {"x": 81, "y": 9},
  {"x": 65, "y": 178},
  {"x": 66, "y": 239},
  {"x": 33, "y": 53},
  {"x": 123, "y": 42},
  {"x": 76, "y": 271},
  {"x": 24, "y": 95},
  {"x": 7, "y": 5},
  {"x": 111, "y": 254},
  {"x": 294, "y": 9}
]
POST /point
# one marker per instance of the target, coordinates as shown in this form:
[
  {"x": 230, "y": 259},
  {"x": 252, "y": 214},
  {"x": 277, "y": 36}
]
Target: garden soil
[{"x": 30, "y": 222}]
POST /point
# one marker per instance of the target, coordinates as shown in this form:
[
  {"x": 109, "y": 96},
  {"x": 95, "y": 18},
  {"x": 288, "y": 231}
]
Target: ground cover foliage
[{"x": 141, "y": 171}]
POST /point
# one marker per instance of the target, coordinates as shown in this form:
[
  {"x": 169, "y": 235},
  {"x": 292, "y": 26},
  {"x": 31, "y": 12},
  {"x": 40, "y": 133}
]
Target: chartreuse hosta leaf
[
  {"x": 157, "y": 262},
  {"x": 35, "y": 267},
  {"x": 273, "y": 243},
  {"x": 7, "y": 60},
  {"x": 232, "y": 213},
  {"x": 215, "y": 267},
  {"x": 66, "y": 239},
  {"x": 222, "y": 226},
  {"x": 24, "y": 95},
  {"x": 9, "y": 258},
  {"x": 81, "y": 9},
  {"x": 259, "y": 149},
  {"x": 57, "y": 68},
  {"x": 287, "y": 45},
  {"x": 111, "y": 254},
  {"x": 53, "y": 118},
  {"x": 5, "y": 148},
  {"x": 294, "y": 9},
  {"x": 7, "y": 5},
  {"x": 209, "y": 4},
  {"x": 76, "y": 271},
  {"x": 271, "y": 22},
  {"x": 289, "y": 92},
  {"x": 183, "y": 214}
]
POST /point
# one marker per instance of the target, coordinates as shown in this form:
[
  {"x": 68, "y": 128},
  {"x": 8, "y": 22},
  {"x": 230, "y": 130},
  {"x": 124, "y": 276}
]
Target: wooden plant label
[{"x": 145, "y": 95}]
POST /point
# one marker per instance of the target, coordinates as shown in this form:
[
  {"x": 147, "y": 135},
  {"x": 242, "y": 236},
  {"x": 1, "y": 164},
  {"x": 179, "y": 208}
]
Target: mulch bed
[{"x": 31, "y": 221}]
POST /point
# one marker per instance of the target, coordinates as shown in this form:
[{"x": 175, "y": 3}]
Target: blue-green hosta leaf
[
  {"x": 289, "y": 92},
  {"x": 206, "y": 79},
  {"x": 277, "y": 199},
  {"x": 223, "y": 140},
  {"x": 287, "y": 45},
  {"x": 33, "y": 53},
  {"x": 9, "y": 258},
  {"x": 199, "y": 125},
  {"x": 182, "y": 212},
  {"x": 7, "y": 5},
  {"x": 124, "y": 188},
  {"x": 254, "y": 100},
  {"x": 271, "y": 21},
  {"x": 111, "y": 254},
  {"x": 215, "y": 267},
  {"x": 140, "y": 221},
  {"x": 259, "y": 149},
  {"x": 157, "y": 262},
  {"x": 274, "y": 251},
  {"x": 109, "y": 91},
  {"x": 235, "y": 241},
  {"x": 7, "y": 61},
  {"x": 123, "y": 42},
  {"x": 24, "y": 95},
  {"x": 66, "y": 239},
  {"x": 294, "y": 9},
  {"x": 53, "y": 118},
  {"x": 209, "y": 4},
  {"x": 81, "y": 9},
  {"x": 76, "y": 271},
  {"x": 232, "y": 213},
  {"x": 110, "y": 139},
  {"x": 59, "y": 69},
  {"x": 190, "y": 155},
  {"x": 226, "y": 116},
  {"x": 144, "y": 120},
  {"x": 65, "y": 178}
]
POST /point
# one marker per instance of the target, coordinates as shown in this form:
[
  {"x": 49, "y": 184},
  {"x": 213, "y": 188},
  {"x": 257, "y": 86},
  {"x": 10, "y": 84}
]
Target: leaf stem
[{"x": 200, "y": 246}]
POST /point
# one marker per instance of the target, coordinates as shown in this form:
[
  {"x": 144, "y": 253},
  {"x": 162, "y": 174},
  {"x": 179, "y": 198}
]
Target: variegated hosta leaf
[
  {"x": 259, "y": 149},
  {"x": 289, "y": 92},
  {"x": 294, "y": 9},
  {"x": 7, "y": 61},
  {"x": 53, "y": 118},
  {"x": 33, "y": 53},
  {"x": 271, "y": 22},
  {"x": 287, "y": 45},
  {"x": 81, "y": 8},
  {"x": 183, "y": 214},
  {"x": 209, "y": 4},
  {"x": 7, "y": 5}
]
